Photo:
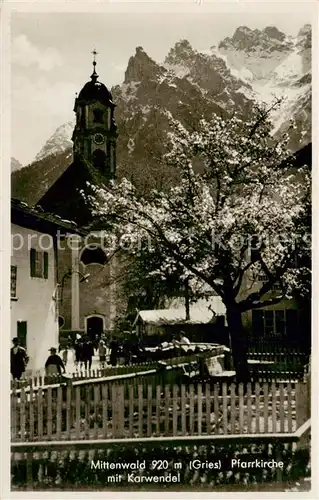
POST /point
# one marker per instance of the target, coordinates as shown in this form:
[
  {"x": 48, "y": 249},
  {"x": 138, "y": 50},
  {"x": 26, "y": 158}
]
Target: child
[
  {"x": 68, "y": 356},
  {"x": 102, "y": 353}
]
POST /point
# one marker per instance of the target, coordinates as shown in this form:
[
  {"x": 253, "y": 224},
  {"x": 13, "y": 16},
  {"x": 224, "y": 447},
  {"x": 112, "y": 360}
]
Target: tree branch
[{"x": 263, "y": 116}]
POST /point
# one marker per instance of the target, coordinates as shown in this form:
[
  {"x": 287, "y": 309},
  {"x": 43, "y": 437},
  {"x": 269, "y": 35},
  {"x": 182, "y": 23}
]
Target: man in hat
[
  {"x": 54, "y": 364},
  {"x": 18, "y": 359}
]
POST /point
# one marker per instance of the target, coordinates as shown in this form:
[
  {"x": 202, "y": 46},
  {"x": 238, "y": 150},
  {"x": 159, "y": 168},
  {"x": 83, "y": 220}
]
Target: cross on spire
[
  {"x": 94, "y": 75},
  {"x": 95, "y": 53}
]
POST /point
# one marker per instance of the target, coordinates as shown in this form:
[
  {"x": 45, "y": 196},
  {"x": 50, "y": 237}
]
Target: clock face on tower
[{"x": 99, "y": 138}]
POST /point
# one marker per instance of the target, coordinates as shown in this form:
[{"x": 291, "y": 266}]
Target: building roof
[
  {"x": 202, "y": 312},
  {"x": 95, "y": 91},
  {"x": 65, "y": 196},
  {"x": 35, "y": 218}
]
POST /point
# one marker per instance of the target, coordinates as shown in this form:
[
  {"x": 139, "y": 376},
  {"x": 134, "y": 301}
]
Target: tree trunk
[
  {"x": 238, "y": 344},
  {"x": 187, "y": 300}
]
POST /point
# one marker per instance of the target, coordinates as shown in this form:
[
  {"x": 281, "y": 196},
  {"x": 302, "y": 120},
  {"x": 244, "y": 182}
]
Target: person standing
[
  {"x": 97, "y": 342},
  {"x": 67, "y": 355},
  {"x": 87, "y": 354},
  {"x": 127, "y": 352},
  {"x": 114, "y": 352},
  {"x": 78, "y": 347},
  {"x": 102, "y": 353},
  {"x": 54, "y": 364},
  {"x": 18, "y": 359}
]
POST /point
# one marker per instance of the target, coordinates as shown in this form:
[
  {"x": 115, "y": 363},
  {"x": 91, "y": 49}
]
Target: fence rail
[
  {"x": 255, "y": 345},
  {"x": 65, "y": 465},
  {"x": 125, "y": 410},
  {"x": 283, "y": 359},
  {"x": 262, "y": 373}
]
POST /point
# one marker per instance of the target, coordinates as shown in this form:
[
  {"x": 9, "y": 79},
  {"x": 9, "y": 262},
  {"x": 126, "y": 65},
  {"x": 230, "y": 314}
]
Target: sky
[{"x": 51, "y": 56}]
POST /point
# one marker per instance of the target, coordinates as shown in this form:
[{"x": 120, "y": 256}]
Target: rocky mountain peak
[
  {"x": 305, "y": 30},
  {"x": 59, "y": 141},
  {"x": 304, "y": 37},
  {"x": 274, "y": 32},
  {"x": 242, "y": 33},
  {"x": 141, "y": 66},
  {"x": 181, "y": 52},
  {"x": 246, "y": 39}
]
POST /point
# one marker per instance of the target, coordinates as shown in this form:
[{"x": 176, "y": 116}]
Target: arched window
[
  {"x": 93, "y": 255},
  {"x": 82, "y": 116},
  {"x": 61, "y": 321},
  {"x": 98, "y": 115}
]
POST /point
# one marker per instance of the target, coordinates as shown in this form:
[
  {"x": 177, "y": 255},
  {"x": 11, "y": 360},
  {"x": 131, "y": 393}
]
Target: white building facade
[{"x": 34, "y": 289}]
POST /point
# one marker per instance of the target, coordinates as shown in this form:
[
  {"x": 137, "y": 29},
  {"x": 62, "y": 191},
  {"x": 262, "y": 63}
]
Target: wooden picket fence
[
  {"x": 273, "y": 347},
  {"x": 66, "y": 465},
  {"x": 39, "y": 379},
  {"x": 106, "y": 409},
  {"x": 285, "y": 367},
  {"x": 282, "y": 359},
  {"x": 290, "y": 363}
]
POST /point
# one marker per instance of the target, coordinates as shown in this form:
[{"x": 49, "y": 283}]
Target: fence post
[
  {"x": 121, "y": 410},
  {"x": 117, "y": 410},
  {"x": 228, "y": 361},
  {"x": 29, "y": 471},
  {"x": 308, "y": 386},
  {"x": 14, "y": 408},
  {"x": 302, "y": 403},
  {"x": 278, "y": 458}
]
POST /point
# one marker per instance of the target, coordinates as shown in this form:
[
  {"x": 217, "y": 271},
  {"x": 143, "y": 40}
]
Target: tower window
[
  {"x": 78, "y": 117},
  {"x": 39, "y": 264},
  {"x": 100, "y": 160},
  {"x": 13, "y": 281},
  {"x": 82, "y": 117},
  {"x": 98, "y": 115},
  {"x": 93, "y": 255}
]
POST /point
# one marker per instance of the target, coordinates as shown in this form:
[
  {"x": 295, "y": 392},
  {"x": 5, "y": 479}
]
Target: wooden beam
[{"x": 214, "y": 439}]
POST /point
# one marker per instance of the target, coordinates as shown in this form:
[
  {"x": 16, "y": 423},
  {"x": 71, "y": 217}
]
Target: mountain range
[{"x": 253, "y": 66}]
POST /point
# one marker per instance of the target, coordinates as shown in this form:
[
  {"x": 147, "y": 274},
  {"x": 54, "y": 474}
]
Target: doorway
[
  {"x": 94, "y": 326},
  {"x": 22, "y": 333}
]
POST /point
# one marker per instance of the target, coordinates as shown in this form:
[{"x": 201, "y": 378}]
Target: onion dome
[{"x": 95, "y": 90}]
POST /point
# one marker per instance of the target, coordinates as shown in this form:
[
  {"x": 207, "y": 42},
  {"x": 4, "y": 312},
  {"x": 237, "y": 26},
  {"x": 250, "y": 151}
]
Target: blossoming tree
[{"x": 235, "y": 213}]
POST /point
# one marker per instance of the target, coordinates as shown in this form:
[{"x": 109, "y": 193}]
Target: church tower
[
  {"x": 94, "y": 154},
  {"x": 94, "y": 135}
]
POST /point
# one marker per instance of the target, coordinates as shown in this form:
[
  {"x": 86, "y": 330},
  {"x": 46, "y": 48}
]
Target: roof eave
[{"x": 28, "y": 216}]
